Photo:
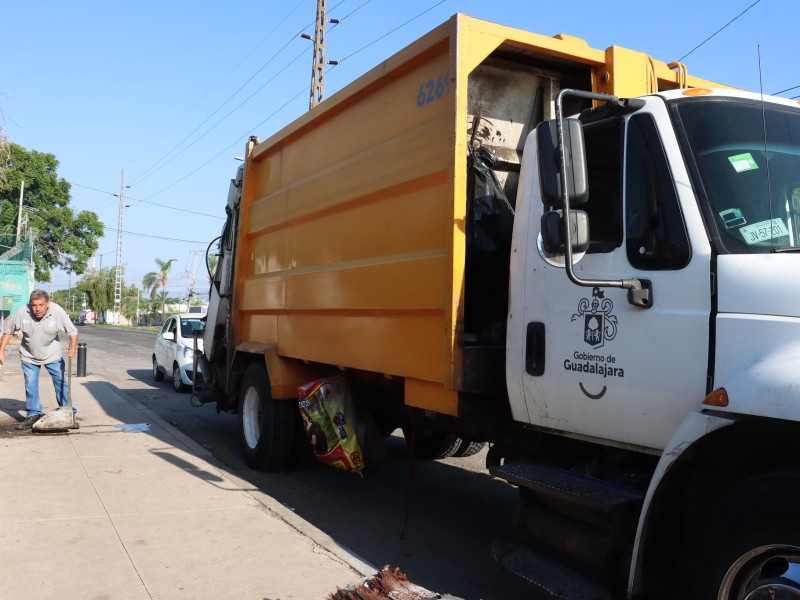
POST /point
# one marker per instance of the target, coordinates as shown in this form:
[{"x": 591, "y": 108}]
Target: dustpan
[{"x": 60, "y": 419}]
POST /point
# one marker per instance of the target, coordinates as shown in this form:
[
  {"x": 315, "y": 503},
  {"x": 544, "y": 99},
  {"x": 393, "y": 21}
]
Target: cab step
[
  {"x": 588, "y": 525},
  {"x": 559, "y": 484},
  {"x": 548, "y": 577}
]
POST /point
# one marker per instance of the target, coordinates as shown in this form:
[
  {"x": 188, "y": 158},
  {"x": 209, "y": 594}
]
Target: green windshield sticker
[{"x": 743, "y": 162}]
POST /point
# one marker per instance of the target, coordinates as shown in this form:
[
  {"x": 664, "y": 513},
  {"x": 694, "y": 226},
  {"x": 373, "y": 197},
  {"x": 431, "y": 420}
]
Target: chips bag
[{"x": 328, "y": 415}]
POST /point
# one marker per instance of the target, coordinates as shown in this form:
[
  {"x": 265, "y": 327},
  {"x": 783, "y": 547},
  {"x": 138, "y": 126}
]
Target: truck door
[{"x": 613, "y": 371}]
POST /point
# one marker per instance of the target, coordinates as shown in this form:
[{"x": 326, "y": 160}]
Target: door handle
[{"x": 534, "y": 349}]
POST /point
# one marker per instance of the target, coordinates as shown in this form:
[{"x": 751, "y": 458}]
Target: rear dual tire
[{"x": 432, "y": 444}]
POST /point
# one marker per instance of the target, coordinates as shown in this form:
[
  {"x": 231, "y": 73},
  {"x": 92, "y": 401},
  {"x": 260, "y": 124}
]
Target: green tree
[
  {"x": 63, "y": 239},
  {"x": 68, "y": 299},
  {"x": 130, "y": 306},
  {"x": 151, "y": 281},
  {"x": 99, "y": 286}
]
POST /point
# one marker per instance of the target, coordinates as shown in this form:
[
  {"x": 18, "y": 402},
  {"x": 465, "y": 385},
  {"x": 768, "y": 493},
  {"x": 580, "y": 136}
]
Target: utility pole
[
  {"x": 319, "y": 62},
  {"x": 118, "y": 270},
  {"x": 195, "y": 254},
  {"x": 19, "y": 214}
]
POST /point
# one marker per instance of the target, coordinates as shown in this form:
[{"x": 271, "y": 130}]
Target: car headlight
[{"x": 187, "y": 352}]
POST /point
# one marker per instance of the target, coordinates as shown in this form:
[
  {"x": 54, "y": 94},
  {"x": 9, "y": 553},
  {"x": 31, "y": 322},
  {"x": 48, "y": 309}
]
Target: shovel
[{"x": 61, "y": 419}]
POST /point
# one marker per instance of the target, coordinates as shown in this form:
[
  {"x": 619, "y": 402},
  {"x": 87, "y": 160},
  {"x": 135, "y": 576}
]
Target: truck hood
[{"x": 759, "y": 284}]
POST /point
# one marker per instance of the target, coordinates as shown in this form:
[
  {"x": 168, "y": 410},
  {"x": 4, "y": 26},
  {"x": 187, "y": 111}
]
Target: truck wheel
[
  {"x": 266, "y": 425},
  {"x": 748, "y": 544},
  {"x": 158, "y": 375},
  {"x": 468, "y": 448},
  {"x": 430, "y": 444}
]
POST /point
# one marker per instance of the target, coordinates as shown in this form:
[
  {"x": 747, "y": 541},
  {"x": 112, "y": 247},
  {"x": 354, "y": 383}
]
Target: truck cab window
[
  {"x": 655, "y": 233},
  {"x": 604, "y": 207}
]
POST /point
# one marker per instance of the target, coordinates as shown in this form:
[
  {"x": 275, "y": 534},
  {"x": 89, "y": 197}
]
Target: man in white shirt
[{"x": 40, "y": 322}]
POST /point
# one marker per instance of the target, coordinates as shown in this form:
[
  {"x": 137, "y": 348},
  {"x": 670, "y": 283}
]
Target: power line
[
  {"x": 156, "y": 237},
  {"x": 241, "y": 137},
  {"x": 220, "y": 121},
  {"x": 388, "y": 33},
  {"x": 159, "y": 164},
  {"x": 786, "y": 90},
  {"x": 718, "y": 30},
  {"x": 237, "y": 141},
  {"x": 131, "y": 198},
  {"x": 216, "y": 85},
  {"x": 156, "y": 166}
]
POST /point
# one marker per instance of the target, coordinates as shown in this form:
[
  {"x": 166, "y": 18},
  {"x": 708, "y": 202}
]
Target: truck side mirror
[
  {"x": 553, "y": 236},
  {"x": 550, "y": 163}
]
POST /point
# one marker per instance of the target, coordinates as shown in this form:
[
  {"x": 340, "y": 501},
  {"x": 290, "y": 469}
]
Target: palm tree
[{"x": 151, "y": 281}]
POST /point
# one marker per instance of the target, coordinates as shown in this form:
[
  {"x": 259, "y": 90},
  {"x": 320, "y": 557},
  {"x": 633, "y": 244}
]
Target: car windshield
[
  {"x": 748, "y": 159},
  {"x": 188, "y": 326}
]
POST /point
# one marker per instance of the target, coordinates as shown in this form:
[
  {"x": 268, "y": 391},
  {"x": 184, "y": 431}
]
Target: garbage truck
[{"x": 586, "y": 259}]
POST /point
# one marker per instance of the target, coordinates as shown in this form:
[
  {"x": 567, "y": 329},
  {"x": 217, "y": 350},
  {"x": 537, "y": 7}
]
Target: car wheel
[
  {"x": 177, "y": 382},
  {"x": 158, "y": 375},
  {"x": 266, "y": 426}
]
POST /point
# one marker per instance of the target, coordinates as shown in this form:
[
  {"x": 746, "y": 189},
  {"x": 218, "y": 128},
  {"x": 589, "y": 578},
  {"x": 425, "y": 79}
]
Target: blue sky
[{"x": 170, "y": 91}]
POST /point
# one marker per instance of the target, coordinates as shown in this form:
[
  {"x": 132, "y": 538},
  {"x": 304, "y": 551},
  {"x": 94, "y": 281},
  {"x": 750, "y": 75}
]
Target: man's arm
[
  {"x": 73, "y": 345},
  {"x": 3, "y": 343}
]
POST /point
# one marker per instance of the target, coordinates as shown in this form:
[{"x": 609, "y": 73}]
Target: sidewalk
[{"x": 128, "y": 507}]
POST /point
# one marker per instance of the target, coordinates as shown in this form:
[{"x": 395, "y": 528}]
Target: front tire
[
  {"x": 177, "y": 382},
  {"x": 748, "y": 544},
  {"x": 158, "y": 375},
  {"x": 266, "y": 426}
]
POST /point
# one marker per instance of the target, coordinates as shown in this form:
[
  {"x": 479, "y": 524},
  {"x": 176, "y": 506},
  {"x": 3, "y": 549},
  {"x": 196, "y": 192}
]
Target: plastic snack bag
[{"x": 328, "y": 415}]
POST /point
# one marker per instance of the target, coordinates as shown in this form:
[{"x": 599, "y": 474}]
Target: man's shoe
[
  {"x": 75, "y": 424},
  {"x": 28, "y": 422}
]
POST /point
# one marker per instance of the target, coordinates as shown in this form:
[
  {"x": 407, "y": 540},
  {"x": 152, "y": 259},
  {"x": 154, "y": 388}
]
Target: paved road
[{"x": 435, "y": 520}]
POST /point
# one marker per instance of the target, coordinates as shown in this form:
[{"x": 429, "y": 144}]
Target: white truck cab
[{"x": 693, "y": 195}]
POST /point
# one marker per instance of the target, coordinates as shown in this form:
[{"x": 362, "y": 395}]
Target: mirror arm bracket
[{"x": 639, "y": 291}]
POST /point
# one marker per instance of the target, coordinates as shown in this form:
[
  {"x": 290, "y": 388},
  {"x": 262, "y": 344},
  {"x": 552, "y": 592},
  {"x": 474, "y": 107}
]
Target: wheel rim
[
  {"x": 251, "y": 417},
  {"x": 176, "y": 378},
  {"x": 767, "y": 572}
]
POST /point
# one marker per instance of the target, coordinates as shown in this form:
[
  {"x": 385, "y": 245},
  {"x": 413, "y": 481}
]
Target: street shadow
[
  {"x": 395, "y": 514},
  {"x": 13, "y": 407},
  {"x": 143, "y": 375}
]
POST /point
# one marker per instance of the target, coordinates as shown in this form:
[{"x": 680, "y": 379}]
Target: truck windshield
[{"x": 747, "y": 156}]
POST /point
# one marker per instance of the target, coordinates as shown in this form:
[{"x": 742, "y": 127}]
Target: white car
[{"x": 174, "y": 349}]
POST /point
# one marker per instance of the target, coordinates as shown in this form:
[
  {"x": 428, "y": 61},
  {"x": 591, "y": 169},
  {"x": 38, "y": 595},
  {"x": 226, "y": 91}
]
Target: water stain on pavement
[{"x": 134, "y": 427}]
